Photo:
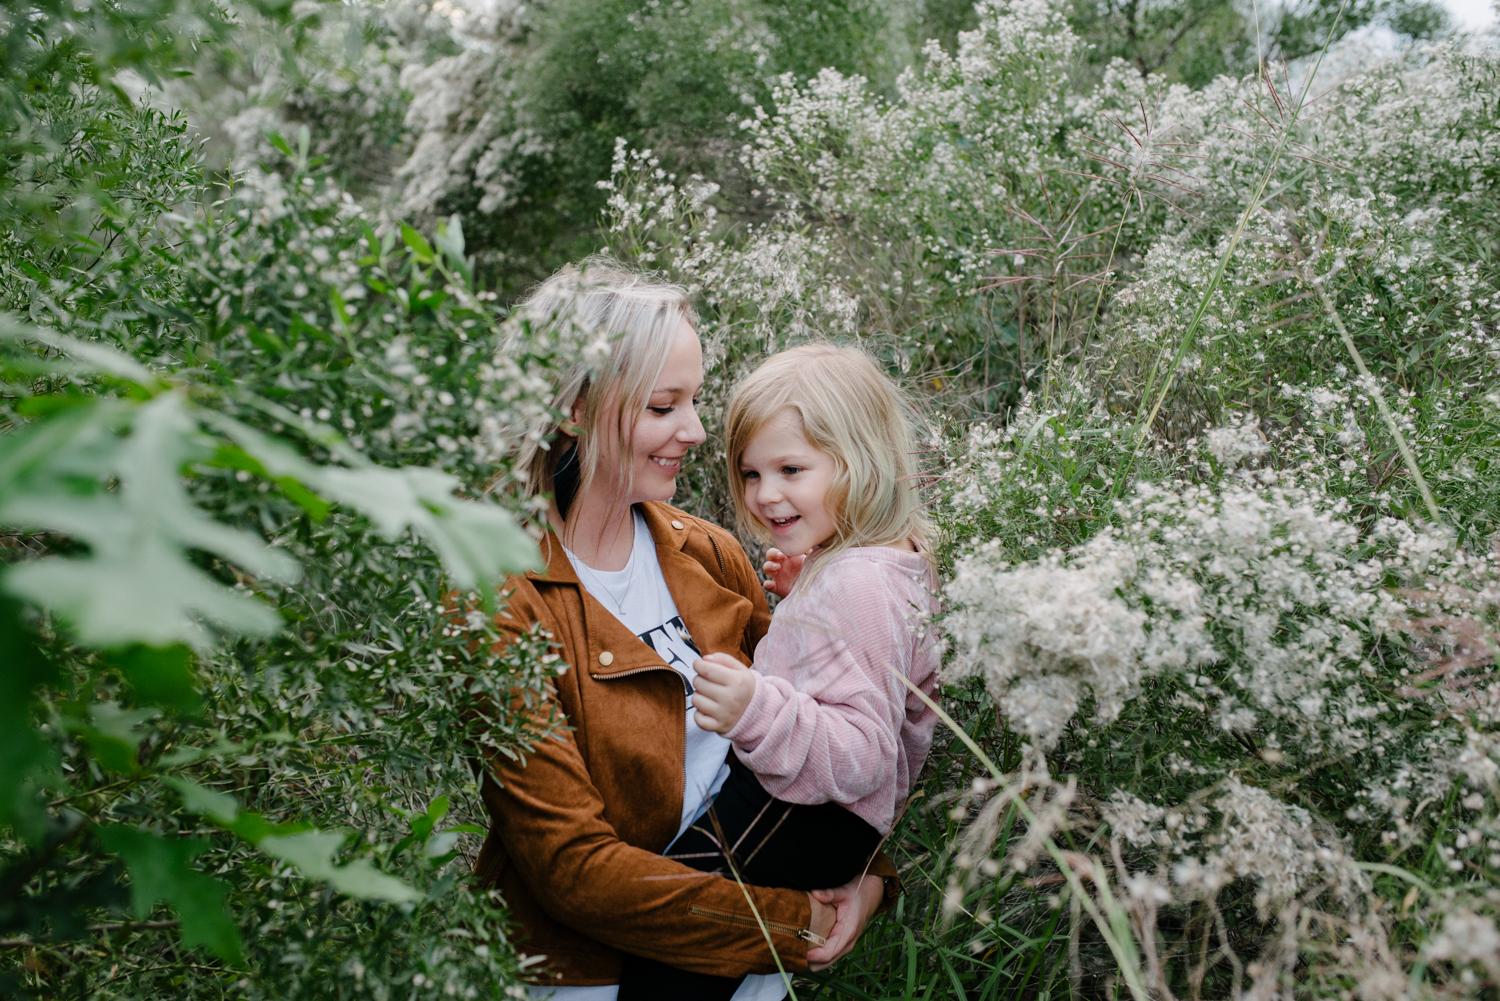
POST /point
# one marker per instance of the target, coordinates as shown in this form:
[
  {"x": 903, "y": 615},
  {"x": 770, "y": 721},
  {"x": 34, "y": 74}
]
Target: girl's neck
[{"x": 598, "y": 532}]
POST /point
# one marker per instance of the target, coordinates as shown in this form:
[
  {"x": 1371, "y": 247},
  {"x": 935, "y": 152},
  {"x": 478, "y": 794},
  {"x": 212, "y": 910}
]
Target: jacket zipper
[
  {"x": 805, "y": 934},
  {"x": 723, "y": 573},
  {"x": 641, "y": 670}
]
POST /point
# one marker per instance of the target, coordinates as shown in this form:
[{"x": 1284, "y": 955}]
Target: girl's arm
[{"x": 825, "y": 718}]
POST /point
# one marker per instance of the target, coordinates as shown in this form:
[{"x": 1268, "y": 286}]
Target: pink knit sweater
[{"x": 830, "y": 721}]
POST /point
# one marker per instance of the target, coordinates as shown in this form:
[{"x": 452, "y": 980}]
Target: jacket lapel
[{"x": 713, "y": 614}]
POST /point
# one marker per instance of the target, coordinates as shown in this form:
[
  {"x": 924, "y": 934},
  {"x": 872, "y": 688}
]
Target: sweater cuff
[{"x": 755, "y": 722}]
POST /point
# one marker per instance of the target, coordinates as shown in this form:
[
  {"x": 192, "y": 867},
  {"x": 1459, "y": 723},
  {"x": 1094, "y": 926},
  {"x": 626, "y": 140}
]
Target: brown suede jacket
[{"x": 577, "y": 830}]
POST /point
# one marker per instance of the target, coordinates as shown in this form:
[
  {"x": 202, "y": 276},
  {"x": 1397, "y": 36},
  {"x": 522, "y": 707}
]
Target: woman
[{"x": 633, "y": 593}]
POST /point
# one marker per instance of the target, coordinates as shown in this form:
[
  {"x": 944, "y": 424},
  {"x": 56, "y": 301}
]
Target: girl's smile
[{"x": 786, "y": 484}]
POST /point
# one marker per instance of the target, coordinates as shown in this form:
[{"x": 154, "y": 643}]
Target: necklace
[{"x": 599, "y": 588}]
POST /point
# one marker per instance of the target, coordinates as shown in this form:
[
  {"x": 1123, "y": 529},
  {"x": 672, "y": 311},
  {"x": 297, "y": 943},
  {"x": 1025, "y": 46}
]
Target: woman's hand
[
  {"x": 722, "y": 690},
  {"x": 782, "y": 571},
  {"x": 854, "y": 904}
]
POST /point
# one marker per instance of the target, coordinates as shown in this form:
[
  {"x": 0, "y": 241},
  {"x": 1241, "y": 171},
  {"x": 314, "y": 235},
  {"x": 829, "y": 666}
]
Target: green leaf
[
  {"x": 316, "y": 507},
  {"x": 24, "y": 755},
  {"x": 112, "y": 734},
  {"x": 312, "y": 853},
  {"x": 44, "y": 406},
  {"x": 160, "y": 870},
  {"x": 138, "y": 583},
  {"x": 466, "y": 829},
  {"x": 450, "y": 240},
  {"x": 217, "y": 806},
  {"x": 477, "y": 542},
  {"x": 162, "y": 676},
  {"x": 234, "y": 457},
  {"x": 86, "y": 356},
  {"x": 417, "y": 244}
]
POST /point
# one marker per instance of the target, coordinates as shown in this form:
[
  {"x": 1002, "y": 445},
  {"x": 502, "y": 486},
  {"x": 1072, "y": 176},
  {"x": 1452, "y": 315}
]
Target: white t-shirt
[{"x": 638, "y": 597}]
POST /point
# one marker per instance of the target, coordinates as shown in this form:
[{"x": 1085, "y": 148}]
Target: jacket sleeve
[{"x": 550, "y": 818}]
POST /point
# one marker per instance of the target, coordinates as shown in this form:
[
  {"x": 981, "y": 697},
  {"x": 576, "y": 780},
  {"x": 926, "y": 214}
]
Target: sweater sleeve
[{"x": 825, "y": 720}]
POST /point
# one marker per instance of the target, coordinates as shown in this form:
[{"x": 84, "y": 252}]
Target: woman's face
[{"x": 665, "y": 431}]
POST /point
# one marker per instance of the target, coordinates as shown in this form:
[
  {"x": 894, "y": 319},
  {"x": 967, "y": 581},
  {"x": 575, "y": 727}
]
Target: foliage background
[{"x": 1208, "y": 358}]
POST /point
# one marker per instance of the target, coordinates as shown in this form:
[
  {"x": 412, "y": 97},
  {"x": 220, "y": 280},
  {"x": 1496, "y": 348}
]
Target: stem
[
  {"x": 1186, "y": 343},
  {"x": 734, "y": 871},
  {"x": 1108, "y": 265},
  {"x": 1109, "y": 927},
  {"x": 1407, "y": 456}
]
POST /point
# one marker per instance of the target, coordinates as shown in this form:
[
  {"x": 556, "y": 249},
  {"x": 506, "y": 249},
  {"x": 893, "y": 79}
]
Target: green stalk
[
  {"x": 1407, "y": 455},
  {"x": 1110, "y": 927},
  {"x": 1189, "y": 335},
  {"x": 734, "y": 870}
]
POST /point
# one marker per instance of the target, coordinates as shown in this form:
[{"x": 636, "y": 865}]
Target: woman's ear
[{"x": 570, "y": 427}]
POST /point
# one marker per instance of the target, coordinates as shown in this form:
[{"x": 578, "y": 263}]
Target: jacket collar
[
  {"x": 668, "y": 531},
  {"x": 693, "y": 590}
]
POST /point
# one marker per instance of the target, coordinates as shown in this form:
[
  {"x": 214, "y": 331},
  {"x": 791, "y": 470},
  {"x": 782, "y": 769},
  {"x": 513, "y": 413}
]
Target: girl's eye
[
  {"x": 749, "y": 474},
  {"x": 661, "y": 411},
  {"x": 790, "y": 470}
]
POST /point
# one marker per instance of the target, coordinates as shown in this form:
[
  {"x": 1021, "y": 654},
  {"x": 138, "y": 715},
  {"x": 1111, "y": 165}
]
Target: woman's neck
[{"x": 599, "y": 533}]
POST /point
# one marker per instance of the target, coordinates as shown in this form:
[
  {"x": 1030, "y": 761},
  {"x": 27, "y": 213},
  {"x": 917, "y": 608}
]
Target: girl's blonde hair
[
  {"x": 855, "y": 413},
  {"x": 639, "y": 315}
]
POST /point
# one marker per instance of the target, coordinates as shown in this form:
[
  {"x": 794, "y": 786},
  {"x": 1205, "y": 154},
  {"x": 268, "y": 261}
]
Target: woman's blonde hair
[
  {"x": 639, "y": 315},
  {"x": 855, "y": 413}
]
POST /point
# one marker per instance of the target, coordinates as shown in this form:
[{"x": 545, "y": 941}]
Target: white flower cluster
[
  {"x": 1192, "y": 576},
  {"x": 1041, "y": 634},
  {"x": 1240, "y": 832}
]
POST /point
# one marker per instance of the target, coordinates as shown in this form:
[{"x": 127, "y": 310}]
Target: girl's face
[
  {"x": 665, "y": 431},
  {"x": 786, "y": 485}
]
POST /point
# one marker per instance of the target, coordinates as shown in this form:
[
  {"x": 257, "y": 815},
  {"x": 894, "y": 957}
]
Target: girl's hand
[
  {"x": 855, "y": 903},
  {"x": 782, "y": 571},
  {"x": 722, "y": 691}
]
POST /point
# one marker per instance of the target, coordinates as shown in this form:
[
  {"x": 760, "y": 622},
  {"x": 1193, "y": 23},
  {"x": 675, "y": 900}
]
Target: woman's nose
[{"x": 691, "y": 432}]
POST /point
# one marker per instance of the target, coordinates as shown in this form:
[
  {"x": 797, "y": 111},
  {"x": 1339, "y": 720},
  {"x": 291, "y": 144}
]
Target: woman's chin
[{"x": 657, "y": 488}]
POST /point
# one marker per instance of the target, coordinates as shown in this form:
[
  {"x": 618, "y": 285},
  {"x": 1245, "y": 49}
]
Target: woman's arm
[{"x": 551, "y": 820}]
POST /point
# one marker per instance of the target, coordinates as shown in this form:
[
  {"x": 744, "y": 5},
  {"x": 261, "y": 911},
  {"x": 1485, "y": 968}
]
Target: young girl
[{"x": 827, "y": 738}]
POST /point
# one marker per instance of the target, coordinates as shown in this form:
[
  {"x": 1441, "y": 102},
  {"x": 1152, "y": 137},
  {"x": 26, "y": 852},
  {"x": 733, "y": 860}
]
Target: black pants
[{"x": 773, "y": 844}]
